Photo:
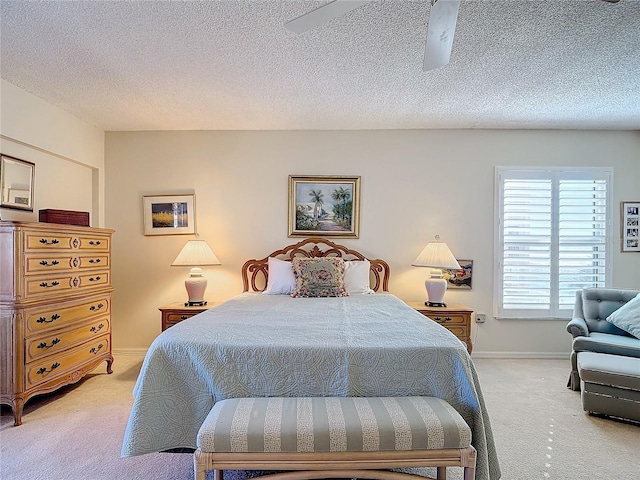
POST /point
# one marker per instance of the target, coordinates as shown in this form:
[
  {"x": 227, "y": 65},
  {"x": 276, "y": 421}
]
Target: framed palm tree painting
[{"x": 324, "y": 206}]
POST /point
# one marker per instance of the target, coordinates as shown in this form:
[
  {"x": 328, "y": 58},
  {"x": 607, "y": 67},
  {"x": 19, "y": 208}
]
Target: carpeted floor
[{"x": 540, "y": 429}]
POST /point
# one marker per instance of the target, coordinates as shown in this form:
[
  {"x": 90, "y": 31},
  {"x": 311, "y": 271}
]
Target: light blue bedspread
[{"x": 274, "y": 345}]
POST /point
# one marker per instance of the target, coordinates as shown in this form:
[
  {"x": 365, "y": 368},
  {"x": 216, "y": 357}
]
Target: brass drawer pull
[
  {"x": 55, "y": 341},
  {"x": 93, "y": 308},
  {"x": 43, "y": 370},
  {"x": 44, "y": 241},
  {"x": 54, "y": 317},
  {"x": 47, "y": 264},
  {"x": 55, "y": 283},
  {"x": 184, "y": 317},
  {"x": 96, "y": 279},
  {"x": 97, "y": 242},
  {"x": 95, "y": 329},
  {"x": 95, "y": 350},
  {"x": 97, "y": 260},
  {"x": 442, "y": 320}
]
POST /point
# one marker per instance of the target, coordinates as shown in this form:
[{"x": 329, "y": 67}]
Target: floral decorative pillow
[{"x": 319, "y": 277}]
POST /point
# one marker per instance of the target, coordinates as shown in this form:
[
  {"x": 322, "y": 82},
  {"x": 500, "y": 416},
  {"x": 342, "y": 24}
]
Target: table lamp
[
  {"x": 195, "y": 254},
  {"x": 437, "y": 256}
]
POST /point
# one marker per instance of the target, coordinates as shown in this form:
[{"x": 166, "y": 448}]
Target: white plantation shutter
[{"x": 552, "y": 240}]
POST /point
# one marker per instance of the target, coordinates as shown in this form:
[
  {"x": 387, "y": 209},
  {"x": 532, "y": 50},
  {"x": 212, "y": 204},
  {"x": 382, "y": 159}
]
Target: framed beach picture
[
  {"x": 324, "y": 206},
  {"x": 169, "y": 214},
  {"x": 459, "y": 278},
  {"x": 630, "y": 225},
  {"x": 16, "y": 183}
]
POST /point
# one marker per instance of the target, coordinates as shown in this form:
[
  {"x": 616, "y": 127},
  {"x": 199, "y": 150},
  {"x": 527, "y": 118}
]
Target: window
[{"x": 552, "y": 238}]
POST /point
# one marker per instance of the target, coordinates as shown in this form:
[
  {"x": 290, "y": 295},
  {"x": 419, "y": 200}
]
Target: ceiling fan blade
[
  {"x": 323, "y": 14},
  {"x": 442, "y": 25}
]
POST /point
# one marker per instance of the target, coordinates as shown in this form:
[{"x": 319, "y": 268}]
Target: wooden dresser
[{"x": 55, "y": 305}]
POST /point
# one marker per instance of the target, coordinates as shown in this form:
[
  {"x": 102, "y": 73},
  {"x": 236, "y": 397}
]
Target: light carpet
[{"x": 540, "y": 429}]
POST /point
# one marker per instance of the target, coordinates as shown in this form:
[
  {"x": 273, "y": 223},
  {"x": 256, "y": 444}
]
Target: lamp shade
[
  {"x": 437, "y": 256},
  {"x": 195, "y": 253}
]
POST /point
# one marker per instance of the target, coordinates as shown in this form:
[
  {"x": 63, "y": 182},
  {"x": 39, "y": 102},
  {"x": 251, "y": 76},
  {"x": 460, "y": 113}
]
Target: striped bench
[{"x": 334, "y": 437}]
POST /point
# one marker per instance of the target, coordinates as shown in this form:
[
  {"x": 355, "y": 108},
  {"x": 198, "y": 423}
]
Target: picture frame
[
  {"x": 460, "y": 279},
  {"x": 324, "y": 205},
  {"x": 16, "y": 183},
  {"x": 630, "y": 226},
  {"x": 169, "y": 214}
]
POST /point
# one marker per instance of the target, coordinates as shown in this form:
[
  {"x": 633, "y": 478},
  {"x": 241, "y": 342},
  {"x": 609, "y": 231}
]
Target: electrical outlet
[{"x": 481, "y": 318}]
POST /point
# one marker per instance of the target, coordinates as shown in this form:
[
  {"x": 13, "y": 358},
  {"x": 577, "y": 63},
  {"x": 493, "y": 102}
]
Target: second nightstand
[
  {"x": 176, "y": 312},
  {"x": 454, "y": 317}
]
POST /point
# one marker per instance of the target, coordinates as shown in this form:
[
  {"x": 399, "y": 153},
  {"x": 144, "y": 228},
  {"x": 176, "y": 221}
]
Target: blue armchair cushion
[{"x": 627, "y": 317}]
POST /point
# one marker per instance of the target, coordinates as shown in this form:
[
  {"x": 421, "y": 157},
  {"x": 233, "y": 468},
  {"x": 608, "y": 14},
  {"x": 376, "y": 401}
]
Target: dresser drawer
[
  {"x": 37, "y": 241},
  {"x": 41, "y": 263},
  {"x": 53, "y": 342},
  {"x": 55, "y": 366},
  {"x": 94, "y": 242},
  {"x": 41, "y": 319},
  {"x": 63, "y": 282}
]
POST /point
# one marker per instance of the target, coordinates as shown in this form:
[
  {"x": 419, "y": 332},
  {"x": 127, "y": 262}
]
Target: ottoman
[{"x": 610, "y": 384}]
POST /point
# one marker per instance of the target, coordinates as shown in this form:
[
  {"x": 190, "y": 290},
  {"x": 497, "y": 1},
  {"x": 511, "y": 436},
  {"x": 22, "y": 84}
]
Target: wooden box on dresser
[{"x": 55, "y": 306}]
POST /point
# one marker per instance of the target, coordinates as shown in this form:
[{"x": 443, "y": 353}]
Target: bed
[{"x": 261, "y": 345}]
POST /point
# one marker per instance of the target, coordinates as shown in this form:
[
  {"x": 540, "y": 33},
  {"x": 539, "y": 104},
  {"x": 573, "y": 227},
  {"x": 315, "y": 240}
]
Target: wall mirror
[{"x": 16, "y": 183}]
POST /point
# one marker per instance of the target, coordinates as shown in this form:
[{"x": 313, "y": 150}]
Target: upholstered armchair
[{"x": 593, "y": 333}]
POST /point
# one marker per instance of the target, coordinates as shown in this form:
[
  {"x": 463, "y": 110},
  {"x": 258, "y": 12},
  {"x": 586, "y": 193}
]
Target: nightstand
[
  {"x": 454, "y": 317},
  {"x": 176, "y": 312}
]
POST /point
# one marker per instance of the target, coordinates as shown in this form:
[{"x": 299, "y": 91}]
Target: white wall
[
  {"x": 68, "y": 153},
  {"x": 415, "y": 184}
]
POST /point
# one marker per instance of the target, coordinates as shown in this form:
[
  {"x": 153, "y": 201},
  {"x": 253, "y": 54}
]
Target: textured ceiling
[{"x": 231, "y": 65}]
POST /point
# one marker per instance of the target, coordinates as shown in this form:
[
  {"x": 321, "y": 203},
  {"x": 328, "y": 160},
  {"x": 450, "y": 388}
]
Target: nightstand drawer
[
  {"x": 173, "y": 318},
  {"x": 449, "y": 320},
  {"x": 177, "y": 312},
  {"x": 460, "y": 332}
]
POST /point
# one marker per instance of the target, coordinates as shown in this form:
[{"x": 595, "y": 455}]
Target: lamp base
[
  {"x": 195, "y": 304},
  {"x": 435, "y": 304}
]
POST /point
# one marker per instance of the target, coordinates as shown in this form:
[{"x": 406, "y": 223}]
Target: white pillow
[
  {"x": 281, "y": 279},
  {"x": 627, "y": 317},
  {"x": 356, "y": 276}
]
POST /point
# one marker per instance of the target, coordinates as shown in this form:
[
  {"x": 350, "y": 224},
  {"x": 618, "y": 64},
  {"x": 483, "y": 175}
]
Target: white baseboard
[
  {"x": 516, "y": 355},
  {"x": 138, "y": 352}
]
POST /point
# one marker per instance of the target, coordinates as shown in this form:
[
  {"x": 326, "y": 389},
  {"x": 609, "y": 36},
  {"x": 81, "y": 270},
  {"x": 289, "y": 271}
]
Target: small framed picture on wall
[
  {"x": 169, "y": 214},
  {"x": 630, "y": 226}
]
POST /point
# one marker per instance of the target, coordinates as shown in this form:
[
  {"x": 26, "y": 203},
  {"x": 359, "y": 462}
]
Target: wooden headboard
[{"x": 255, "y": 273}]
